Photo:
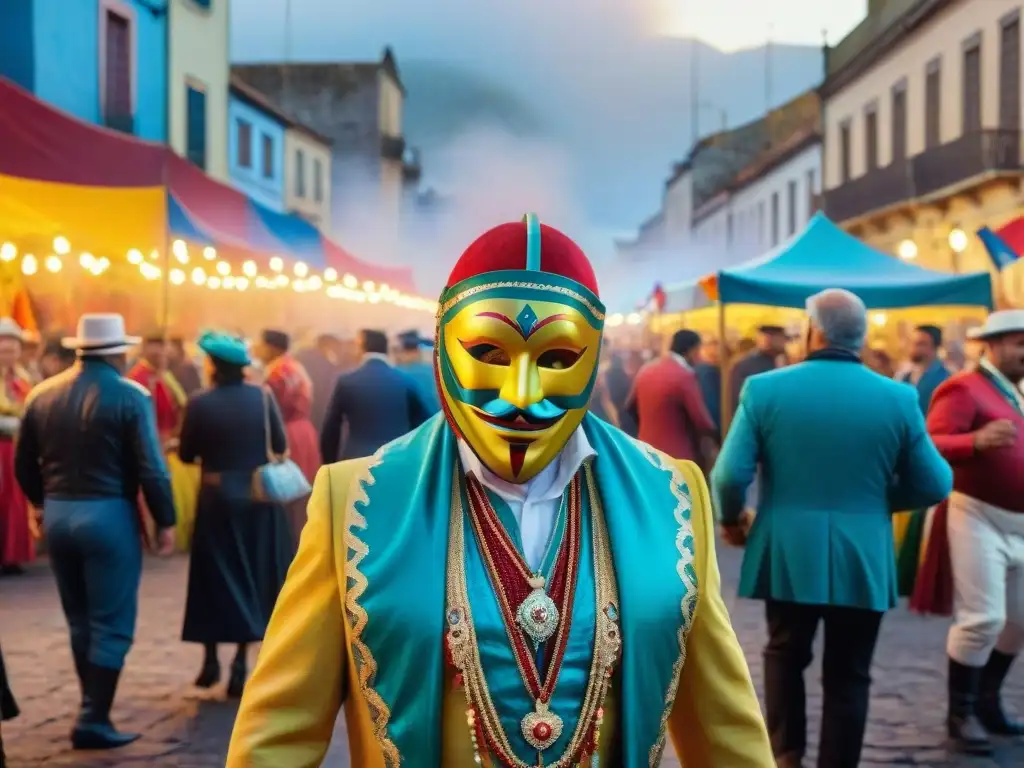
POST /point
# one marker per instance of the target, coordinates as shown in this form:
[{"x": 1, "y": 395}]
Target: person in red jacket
[
  {"x": 668, "y": 405},
  {"x": 977, "y": 422}
]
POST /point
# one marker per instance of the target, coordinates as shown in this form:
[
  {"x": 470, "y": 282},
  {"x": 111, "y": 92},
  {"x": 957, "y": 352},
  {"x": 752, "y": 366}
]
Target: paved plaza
[{"x": 184, "y": 731}]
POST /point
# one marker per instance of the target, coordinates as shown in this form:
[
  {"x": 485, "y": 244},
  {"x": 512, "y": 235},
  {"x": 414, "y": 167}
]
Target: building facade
[
  {"x": 103, "y": 61},
  {"x": 198, "y": 83},
  {"x": 358, "y": 107},
  {"x": 738, "y": 194},
  {"x": 256, "y": 147},
  {"x": 922, "y": 113},
  {"x": 307, "y": 175}
]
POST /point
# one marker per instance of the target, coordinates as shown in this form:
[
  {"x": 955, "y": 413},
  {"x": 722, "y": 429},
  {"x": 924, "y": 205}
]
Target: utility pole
[
  {"x": 286, "y": 69},
  {"x": 694, "y": 92}
]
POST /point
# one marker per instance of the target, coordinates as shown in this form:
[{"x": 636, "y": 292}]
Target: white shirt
[{"x": 535, "y": 503}]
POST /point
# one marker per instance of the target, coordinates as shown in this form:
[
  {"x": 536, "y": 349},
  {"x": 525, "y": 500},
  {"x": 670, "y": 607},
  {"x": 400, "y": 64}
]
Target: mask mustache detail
[{"x": 535, "y": 412}]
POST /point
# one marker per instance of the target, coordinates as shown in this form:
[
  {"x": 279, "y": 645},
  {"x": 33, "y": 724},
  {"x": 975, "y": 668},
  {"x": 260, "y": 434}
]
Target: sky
[{"x": 788, "y": 21}]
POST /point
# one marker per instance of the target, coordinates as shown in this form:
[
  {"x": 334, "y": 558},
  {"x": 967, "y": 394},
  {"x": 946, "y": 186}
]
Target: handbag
[{"x": 280, "y": 480}]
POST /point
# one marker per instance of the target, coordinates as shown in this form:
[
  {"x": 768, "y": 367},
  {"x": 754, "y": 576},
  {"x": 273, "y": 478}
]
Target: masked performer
[
  {"x": 515, "y": 583},
  {"x": 152, "y": 372}
]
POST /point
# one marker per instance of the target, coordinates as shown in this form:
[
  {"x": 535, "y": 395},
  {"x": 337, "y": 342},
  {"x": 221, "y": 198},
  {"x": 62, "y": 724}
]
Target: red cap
[{"x": 504, "y": 247}]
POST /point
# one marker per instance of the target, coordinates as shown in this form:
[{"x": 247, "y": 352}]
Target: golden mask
[{"x": 517, "y": 361}]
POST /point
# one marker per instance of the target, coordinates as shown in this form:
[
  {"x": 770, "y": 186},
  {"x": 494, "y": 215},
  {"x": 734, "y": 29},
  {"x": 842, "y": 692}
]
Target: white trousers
[{"x": 986, "y": 545}]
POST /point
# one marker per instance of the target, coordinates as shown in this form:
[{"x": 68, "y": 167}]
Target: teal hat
[{"x": 229, "y": 349}]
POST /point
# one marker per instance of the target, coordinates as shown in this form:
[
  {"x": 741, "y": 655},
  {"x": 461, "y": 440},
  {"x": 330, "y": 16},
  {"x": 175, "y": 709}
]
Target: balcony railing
[
  {"x": 876, "y": 189},
  {"x": 957, "y": 162},
  {"x": 120, "y": 121},
  {"x": 392, "y": 147},
  {"x": 973, "y": 154}
]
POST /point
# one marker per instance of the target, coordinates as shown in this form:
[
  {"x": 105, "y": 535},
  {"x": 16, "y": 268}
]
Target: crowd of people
[
  {"x": 849, "y": 481},
  {"x": 109, "y": 426}
]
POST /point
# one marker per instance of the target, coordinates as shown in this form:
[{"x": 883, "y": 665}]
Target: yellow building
[
  {"x": 307, "y": 175},
  {"x": 198, "y": 74},
  {"x": 922, "y": 117}
]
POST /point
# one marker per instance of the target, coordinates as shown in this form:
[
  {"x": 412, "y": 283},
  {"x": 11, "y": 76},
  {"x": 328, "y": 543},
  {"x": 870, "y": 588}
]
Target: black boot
[
  {"x": 990, "y": 703},
  {"x": 81, "y": 670},
  {"x": 94, "y": 729},
  {"x": 209, "y": 675},
  {"x": 965, "y": 730},
  {"x": 239, "y": 672}
]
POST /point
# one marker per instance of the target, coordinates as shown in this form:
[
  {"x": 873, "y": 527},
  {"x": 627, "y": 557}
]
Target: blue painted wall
[
  {"x": 51, "y": 47},
  {"x": 251, "y": 180}
]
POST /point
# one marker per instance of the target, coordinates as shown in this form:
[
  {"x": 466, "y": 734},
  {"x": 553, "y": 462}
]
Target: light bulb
[
  {"x": 330, "y": 274},
  {"x": 213, "y": 282},
  {"x": 29, "y": 264},
  {"x": 53, "y": 264},
  {"x": 276, "y": 264},
  {"x": 209, "y": 253},
  {"x": 177, "y": 276},
  {"x": 87, "y": 260},
  {"x": 8, "y": 252},
  {"x": 249, "y": 269},
  {"x": 301, "y": 270},
  {"x": 223, "y": 268},
  {"x": 199, "y": 276},
  {"x": 61, "y": 245},
  {"x": 135, "y": 256},
  {"x": 350, "y": 281}
]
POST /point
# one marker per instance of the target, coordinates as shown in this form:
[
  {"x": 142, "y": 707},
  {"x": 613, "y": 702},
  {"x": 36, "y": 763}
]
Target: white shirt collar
[
  {"x": 548, "y": 484},
  {"x": 682, "y": 361},
  {"x": 376, "y": 356}
]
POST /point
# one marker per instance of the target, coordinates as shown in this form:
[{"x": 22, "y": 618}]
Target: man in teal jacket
[{"x": 840, "y": 448}]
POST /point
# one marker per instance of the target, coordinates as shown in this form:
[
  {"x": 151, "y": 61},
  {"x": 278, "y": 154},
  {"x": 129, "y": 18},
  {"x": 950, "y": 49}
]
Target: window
[
  {"x": 268, "y": 157},
  {"x": 1009, "y": 75},
  {"x": 812, "y": 196},
  {"x": 933, "y": 105},
  {"x": 243, "y": 150},
  {"x": 117, "y": 67},
  {"x": 871, "y": 139},
  {"x": 775, "y": 219},
  {"x": 195, "y": 142},
  {"x": 972, "y": 87},
  {"x": 899, "y": 124},
  {"x": 300, "y": 173},
  {"x": 844, "y": 153},
  {"x": 318, "y": 181},
  {"x": 791, "y": 202}
]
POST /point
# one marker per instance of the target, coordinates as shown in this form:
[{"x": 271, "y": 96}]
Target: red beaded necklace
[{"x": 522, "y": 608}]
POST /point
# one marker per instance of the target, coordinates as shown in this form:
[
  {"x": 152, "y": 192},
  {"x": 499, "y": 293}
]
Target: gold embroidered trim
[
  {"x": 594, "y": 309},
  {"x": 462, "y": 637},
  {"x": 684, "y": 569},
  {"x": 380, "y": 714}
]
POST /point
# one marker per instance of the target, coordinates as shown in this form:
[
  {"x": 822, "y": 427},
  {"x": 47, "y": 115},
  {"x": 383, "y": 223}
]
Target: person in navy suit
[
  {"x": 372, "y": 405},
  {"x": 840, "y": 449}
]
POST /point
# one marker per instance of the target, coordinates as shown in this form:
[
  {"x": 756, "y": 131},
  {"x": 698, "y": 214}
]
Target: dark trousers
[
  {"x": 96, "y": 557},
  {"x": 850, "y": 637}
]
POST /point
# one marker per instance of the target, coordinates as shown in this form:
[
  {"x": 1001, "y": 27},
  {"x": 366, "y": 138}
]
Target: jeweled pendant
[
  {"x": 538, "y": 616},
  {"x": 541, "y": 728}
]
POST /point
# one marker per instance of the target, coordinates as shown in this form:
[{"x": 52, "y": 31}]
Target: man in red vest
[{"x": 977, "y": 422}]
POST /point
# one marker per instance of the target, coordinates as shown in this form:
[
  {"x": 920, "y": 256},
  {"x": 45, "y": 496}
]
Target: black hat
[{"x": 771, "y": 329}]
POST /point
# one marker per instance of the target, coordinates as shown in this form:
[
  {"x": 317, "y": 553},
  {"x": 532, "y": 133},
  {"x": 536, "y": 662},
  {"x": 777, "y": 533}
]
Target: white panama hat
[
  {"x": 100, "y": 334},
  {"x": 9, "y": 329},
  {"x": 998, "y": 323}
]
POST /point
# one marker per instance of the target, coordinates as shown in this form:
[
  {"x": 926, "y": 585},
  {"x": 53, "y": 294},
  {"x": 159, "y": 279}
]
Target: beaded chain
[{"x": 486, "y": 731}]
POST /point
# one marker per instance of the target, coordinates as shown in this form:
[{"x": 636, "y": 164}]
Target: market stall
[
  {"x": 823, "y": 256},
  {"x": 95, "y": 219}
]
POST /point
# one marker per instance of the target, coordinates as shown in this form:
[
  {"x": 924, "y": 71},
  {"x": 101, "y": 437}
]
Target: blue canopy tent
[{"x": 824, "y": 256}]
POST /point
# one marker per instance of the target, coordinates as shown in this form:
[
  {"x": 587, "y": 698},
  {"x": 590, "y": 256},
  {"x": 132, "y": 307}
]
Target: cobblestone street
[{"x": 182, "y": 731}]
